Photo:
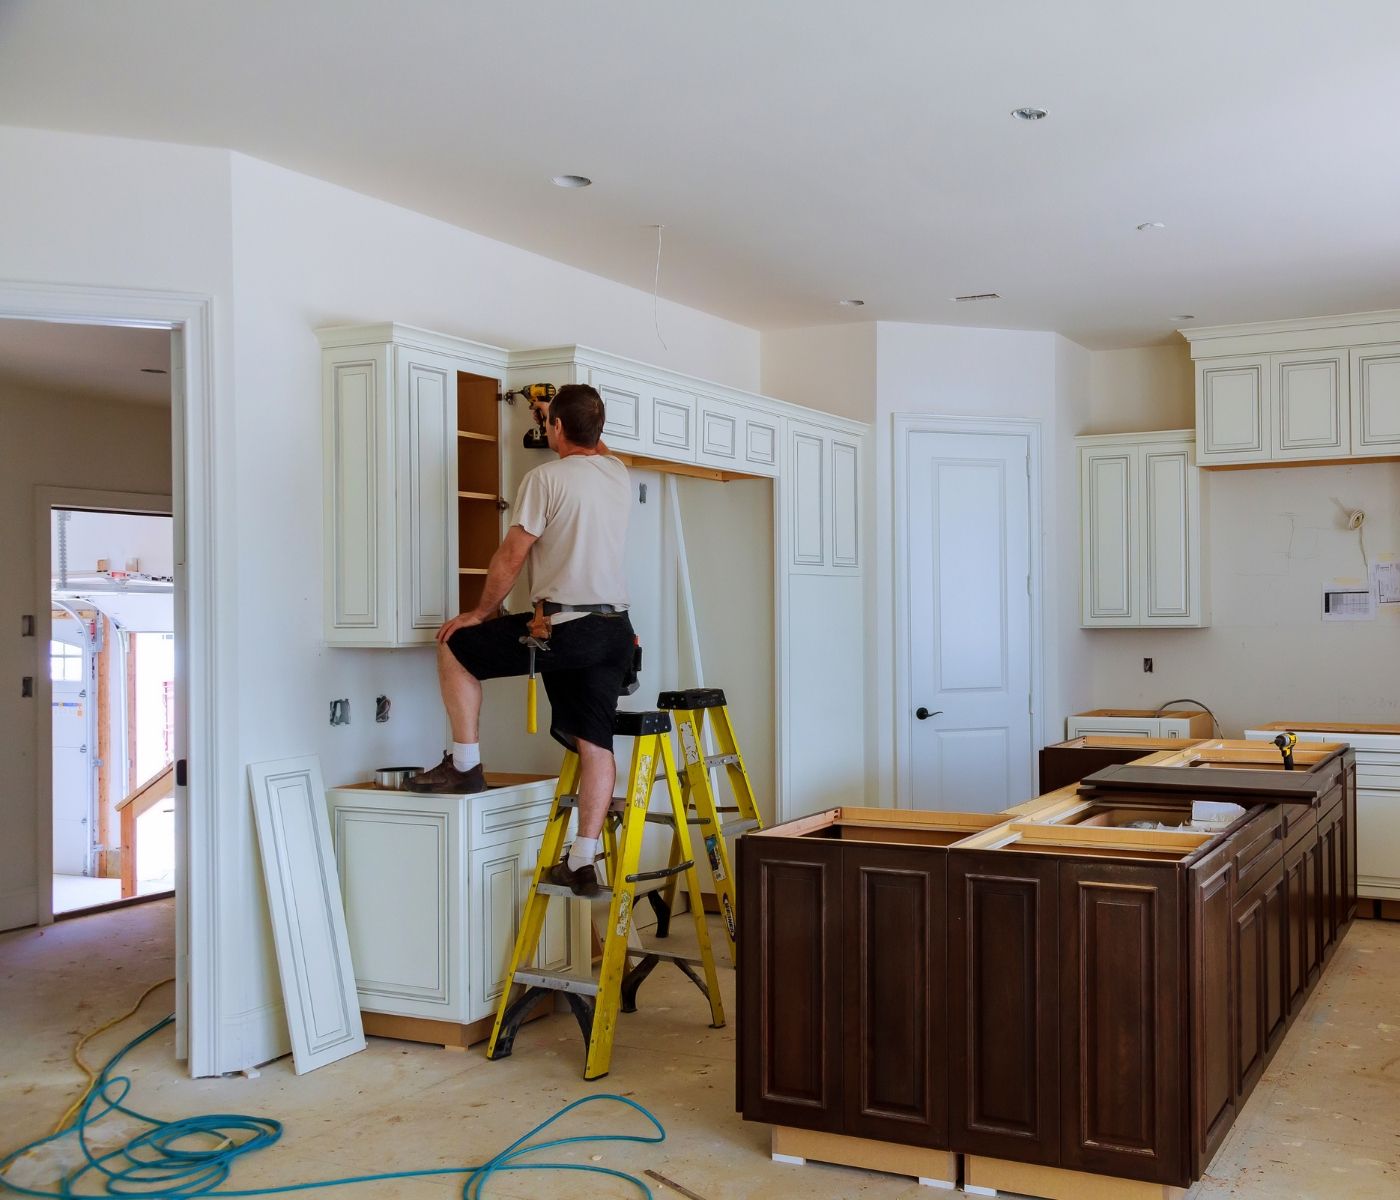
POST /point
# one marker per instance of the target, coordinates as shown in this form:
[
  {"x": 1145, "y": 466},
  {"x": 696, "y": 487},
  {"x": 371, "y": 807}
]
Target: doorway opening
[{"x": 112, "y": 676}]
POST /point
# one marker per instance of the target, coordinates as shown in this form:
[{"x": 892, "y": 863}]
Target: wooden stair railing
[{"x": 144, "y": 798}]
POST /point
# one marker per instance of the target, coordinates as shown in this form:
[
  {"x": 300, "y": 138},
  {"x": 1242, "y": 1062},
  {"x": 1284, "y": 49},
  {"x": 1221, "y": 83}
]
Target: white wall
[
  {"x": 829, "y": 367},
  {"x": 53, "y": 441},
  {"x": 1276, "y": 535}
]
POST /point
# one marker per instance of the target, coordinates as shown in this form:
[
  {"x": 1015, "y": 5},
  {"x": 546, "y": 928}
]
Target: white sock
[
  {"x": 582, "y": 852},
  {"x": 466, "y": 755}
]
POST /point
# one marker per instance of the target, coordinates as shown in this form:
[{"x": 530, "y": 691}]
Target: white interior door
[{"x": 966, "y": 707}]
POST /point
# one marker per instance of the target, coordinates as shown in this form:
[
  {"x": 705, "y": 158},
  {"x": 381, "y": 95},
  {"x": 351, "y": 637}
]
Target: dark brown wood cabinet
[
  {"x": 894, "y": 965},
  {"x": 1213, "y": 1003},
  {"x": 1003, "y": 1006},
  {"x": 1123, "y": 1026}
]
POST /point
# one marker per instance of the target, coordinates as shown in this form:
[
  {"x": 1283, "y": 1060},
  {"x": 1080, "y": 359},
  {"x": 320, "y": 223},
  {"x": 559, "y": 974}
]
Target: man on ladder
[{"x": 571, "y": 526}]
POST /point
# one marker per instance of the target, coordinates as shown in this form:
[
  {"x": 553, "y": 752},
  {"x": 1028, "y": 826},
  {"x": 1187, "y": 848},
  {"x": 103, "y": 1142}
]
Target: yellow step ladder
[
  {"x": 595, "y": 1002},
  {"x": 689, "y": 708}
]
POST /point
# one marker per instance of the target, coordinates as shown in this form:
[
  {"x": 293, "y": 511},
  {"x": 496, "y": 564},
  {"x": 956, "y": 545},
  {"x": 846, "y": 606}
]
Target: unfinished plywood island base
[
  {"x": 989, "y": 1176},
  {"x": 932, "y": 1168}
]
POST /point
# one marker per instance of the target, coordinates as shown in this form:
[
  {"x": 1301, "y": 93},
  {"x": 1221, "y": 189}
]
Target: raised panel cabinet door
[
  {"x": 1003, "y": 1007},
  {"x": 845, "y": 503},
  {"x": 1312, "y": 408},
  {"x": 895, "y": 1009},
  {"x": 1232, "y": 407},
  {"x": 1251, "y": 992},
  {"x": 1213, "y": 1001},
  {"x": 1331, "y": 901},
  {"x": 672, "y": 422},
  {"x": 1122, "y": 1005},
  {"x": 1171, "y": 536},
  {"x": 495, "y": 907},
  {"x": 359, "y": 501},
  {"x": 721, "y": 433},
  {"x": 1295, "y": 868},
  {"x": 625, "y": 414},
  {"x": 1375, "y": 401},
  {"x": 1276, "y": 979},
  {"x": 807, "y": 491},
  {"x": 425, "y": 428},
  {"x": 761, "y": 445},
  {"x": 791, "y": 1038},
  {"x": 1108, "y": 508}
]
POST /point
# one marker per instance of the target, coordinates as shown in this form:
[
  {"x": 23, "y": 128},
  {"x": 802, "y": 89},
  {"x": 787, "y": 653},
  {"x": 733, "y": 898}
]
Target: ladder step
[
  {"x": 559, "y": 889},
  {"x": 618, "y": 804},
  {"x": 665, "y": 956},
  {"x": 555, "y": 981},
  {"x": 721, "y": 760}
]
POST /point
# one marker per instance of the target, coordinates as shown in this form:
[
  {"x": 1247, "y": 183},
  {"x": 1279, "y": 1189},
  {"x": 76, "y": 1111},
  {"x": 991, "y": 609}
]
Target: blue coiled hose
[{"x": 168, "y": 1160}]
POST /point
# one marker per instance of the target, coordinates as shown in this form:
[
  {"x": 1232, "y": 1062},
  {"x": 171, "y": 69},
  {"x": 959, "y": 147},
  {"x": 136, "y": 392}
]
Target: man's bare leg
[
  {"x": 461, "y": 696},
  {"x": 597, "y": 776}
]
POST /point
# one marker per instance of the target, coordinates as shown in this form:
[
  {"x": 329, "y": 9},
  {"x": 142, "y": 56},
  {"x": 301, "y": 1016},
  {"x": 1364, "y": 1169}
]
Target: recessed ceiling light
[
  {"x": 1148, "y": 225},
  {"x": 852, "y": 303},
  {"x": 977, "y": 296},
  {"x": 154, "y": 371},
  {"x": 1029, "y": 114},
  {"x": 571, "y": 181},
  {"x": 1183, "y": 316}
]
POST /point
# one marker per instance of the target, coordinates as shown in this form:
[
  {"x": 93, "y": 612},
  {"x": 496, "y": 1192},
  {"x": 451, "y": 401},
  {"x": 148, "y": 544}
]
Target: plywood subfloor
[{"x": 1324, "y": 1122}]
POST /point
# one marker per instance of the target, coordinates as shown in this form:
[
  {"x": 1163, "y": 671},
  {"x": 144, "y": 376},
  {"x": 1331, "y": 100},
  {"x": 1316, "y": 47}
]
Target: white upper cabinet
[
  {"x": 1232, "y": 410},
  {"x": 625, "y": 426},
  {"x": 390, "y": 409},
  {"x": 1311, "y": 409},
  {"x": 1375, "y": 400},
  {"x": 823, "y": 483},
  {"x": 672, "y": 423},
  {"x": 1298, "y": 391},
  {"x": 1141, "y": 552}
]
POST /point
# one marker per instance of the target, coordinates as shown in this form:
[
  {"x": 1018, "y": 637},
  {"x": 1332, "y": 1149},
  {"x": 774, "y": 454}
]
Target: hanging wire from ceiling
[{"x": 656, "y": 290}]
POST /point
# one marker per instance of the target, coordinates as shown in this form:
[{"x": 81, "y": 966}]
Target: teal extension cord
[{"x": 166, "y": 1162}]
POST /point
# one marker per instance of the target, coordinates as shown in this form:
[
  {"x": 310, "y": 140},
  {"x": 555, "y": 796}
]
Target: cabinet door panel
[
  {"x": 845, "y": 503},
  {"x": 1312, "y": 415},
  {"x": 895, "y": 994},
  {"x": 1171, "y": 531},
  {"x": 761, "y": 445},
  {"x": 1122, "y": 994},
  {"x": 496, "y": 905},
  {"x": 672, "y": 423},
  {"x": 1213, "y": 1004},
  {"x": 1232, "y": 402},
  {"x": 1276, "y": 981},
  {"x": 721, "y": 428},
  {"x": 624, "y": 421},
  {"x": 1108, "y": 504},
  {"x": 808, "y": 482},
  {"x": 1375, "y": 401},
  {"x": 1003, "y": 1007},
  {"x": 1295, "y": 865},
  {"x": 425, "y": 425},
  {"x": 359, "y": 520},
  {"x": 790, "y": 984},
  {"x": 1251, "y": 993}
]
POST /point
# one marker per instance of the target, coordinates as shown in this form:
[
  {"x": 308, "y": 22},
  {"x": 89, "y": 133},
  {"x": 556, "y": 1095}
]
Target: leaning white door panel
[
  {"x": 308, "y": 916},
  {"x": 967, "y": 703}
]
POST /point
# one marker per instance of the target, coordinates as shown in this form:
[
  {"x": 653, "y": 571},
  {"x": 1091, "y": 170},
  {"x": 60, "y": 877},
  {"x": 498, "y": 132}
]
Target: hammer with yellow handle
[{"x": 536, "y": 638}]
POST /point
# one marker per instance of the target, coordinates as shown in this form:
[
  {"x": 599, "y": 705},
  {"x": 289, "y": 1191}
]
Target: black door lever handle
[{"x": 923, "y": 714}]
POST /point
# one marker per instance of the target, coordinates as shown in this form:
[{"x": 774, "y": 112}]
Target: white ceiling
[
  {"x": 95, "y": 361},
  {"x": 799, "y": 151}
]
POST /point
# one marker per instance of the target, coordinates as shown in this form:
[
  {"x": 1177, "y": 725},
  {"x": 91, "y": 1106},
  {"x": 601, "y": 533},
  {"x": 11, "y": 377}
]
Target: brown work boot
[
  {"x": 583, "y": 882},
  {"x": 445, "y": 780}
]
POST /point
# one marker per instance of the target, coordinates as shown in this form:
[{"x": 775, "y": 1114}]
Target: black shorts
[{"x": 584, "y": 669}]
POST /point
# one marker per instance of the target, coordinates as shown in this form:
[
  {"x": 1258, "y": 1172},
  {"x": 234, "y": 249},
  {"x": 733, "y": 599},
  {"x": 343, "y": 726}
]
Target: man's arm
[{"x": 501, "y": 575}]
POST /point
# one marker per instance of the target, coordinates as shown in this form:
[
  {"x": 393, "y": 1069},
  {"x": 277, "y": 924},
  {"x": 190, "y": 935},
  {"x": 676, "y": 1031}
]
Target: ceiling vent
[{"x": 977, "y": 296}]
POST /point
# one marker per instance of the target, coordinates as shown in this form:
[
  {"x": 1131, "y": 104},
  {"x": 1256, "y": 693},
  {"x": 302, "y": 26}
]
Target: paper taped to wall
[
  {"x": 1347, "y": 603},
  {"x": 1385, "y": 581}
]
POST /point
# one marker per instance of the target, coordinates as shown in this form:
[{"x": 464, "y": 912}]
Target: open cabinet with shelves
[{"x": 479, "y": 501}]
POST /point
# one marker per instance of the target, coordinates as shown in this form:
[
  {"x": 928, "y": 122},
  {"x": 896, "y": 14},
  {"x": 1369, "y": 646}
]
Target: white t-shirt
[{"x": 578, "y": 508}]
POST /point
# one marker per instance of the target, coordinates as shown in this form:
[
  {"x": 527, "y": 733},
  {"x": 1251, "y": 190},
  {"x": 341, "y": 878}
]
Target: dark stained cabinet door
[
  {"x": 1213, "y": 1003},
  {"x": 1122, "y": 1021},
  {"x": 1329, "y": 836},
  {"x": 895, "y": 966},
  {"x": 790, "y": 984},
  {"x": 1003, "y": 1006},
  {"x": 1276, "y": 967},
  {"x": 1251, "y": 992}
]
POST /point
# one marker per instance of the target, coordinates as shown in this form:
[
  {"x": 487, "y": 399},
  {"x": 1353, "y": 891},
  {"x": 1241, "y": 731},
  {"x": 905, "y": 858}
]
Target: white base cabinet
[
  {"x": 434, "y": 888},
  {"x": 1377, "y": 800},
  {"x": 1142, "y": 553}
]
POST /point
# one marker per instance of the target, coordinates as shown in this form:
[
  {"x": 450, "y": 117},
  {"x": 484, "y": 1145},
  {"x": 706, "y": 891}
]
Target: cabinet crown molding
[
  {"x": 384, "y": 332},
  {"x": 1150, "y": 435},
  {"x": 1302, "y": 333}
]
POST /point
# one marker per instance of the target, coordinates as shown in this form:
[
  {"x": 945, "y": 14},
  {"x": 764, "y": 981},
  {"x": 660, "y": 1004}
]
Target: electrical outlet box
[{"x": 1147, "y": 665}]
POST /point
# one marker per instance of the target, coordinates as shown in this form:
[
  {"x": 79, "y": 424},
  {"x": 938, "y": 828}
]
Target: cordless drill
[{"x": 1285, "y": 743}]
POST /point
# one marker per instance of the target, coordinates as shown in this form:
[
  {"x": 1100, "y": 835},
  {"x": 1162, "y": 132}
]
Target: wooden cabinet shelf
[
  {"x": 471, "y": 436},
  {"x": 476, "y": 496},
  {"x": 472, "y": 570}
]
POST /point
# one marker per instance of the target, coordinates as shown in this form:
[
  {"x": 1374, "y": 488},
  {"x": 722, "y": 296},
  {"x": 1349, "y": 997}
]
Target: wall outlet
[{"x": 1147, "y": 665}]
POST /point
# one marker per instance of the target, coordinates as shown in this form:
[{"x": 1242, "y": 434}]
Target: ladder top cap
[
  {"x": 692, "y": 698},
  {"x": 636, "y": 724}
]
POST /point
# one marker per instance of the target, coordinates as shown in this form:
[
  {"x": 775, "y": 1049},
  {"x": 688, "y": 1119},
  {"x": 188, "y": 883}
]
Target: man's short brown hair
[{"x": 579, "y": 410}]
